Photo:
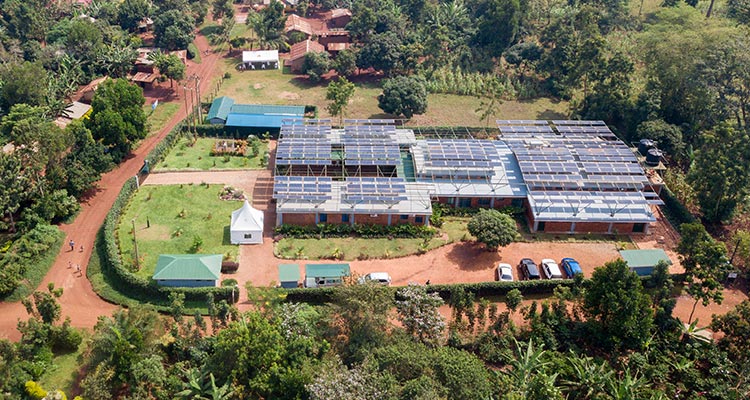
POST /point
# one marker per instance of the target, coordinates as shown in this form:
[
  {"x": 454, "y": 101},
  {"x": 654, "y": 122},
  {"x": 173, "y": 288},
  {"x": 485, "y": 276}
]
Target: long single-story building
[
  {"x": 251, "y": 118},
  {"x": 323, "y": 275},
  {"x": 568, "y": 176},
  {"x": 188, "y": 270}
]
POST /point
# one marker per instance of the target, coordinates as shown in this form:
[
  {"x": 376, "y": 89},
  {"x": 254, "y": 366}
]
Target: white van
[{"x": 379, "y": 277}]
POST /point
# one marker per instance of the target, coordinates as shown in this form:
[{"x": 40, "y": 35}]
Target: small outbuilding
[
  {"x": 642, "y": 262},
  {"x": 260, "y": 59},
  {"x": 323, "y": 275},
  {"x": 289, "y": 276},
  {"x": 299, "y": 50},
  {"x": 188, "y": 270},
  {"x": 247, "y": 225},
  {"x": 220, "y": 108}
]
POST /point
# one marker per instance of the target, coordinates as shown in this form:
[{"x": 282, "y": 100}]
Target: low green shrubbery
[
  {"x": 27, "y": 260},
  {"x": 447, "y": 210},
  {"x": 675, "y": 211},
  {"x": 361, "y": 230},
  {"x": 160, "y": 151}
]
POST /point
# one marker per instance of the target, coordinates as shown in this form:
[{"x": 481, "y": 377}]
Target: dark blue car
[{"x": 571, "y": 267}]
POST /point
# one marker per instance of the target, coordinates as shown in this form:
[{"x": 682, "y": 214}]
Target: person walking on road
[{"x": 72, "y": 244}]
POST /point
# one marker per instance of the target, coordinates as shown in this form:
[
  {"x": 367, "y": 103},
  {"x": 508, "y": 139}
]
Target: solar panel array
[
  {"x": 304, "y": 145},
  {"x": 591, "y": 204},
  {"x": 518, "y": 122},
  {"x": 375, "y": 190},
  {"x": 572, "y": 155},
  {"x": 461, "y": 153},
  {"x": 302, "y": 188}
]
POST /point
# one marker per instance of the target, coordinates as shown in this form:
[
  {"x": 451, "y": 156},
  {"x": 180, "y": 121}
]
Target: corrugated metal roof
[
  {"x": 188, "y": 267},
  {"x": 644, "y": 258},
  {"x": 289, "y": 273},
  {"x": 327, "y": 270},
  {"x": 220, "y": 108},
  {"x": 267, "y": 109},
  {"x": 255, "y": 120}
]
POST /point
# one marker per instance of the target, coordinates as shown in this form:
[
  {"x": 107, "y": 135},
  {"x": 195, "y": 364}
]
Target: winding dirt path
[{"x": 79, "y": 301}]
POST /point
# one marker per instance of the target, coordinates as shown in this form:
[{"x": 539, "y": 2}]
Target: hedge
[
  {"x": 480, "y": 289},
  {"x": 112, "y": 264},
  {"x": 361, "y": 230},
  {"x": 675, "y": 211},
  {"x": 160, "y": 151}
]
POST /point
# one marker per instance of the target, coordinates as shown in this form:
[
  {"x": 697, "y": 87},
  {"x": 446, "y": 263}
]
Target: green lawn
[
  {"x": 453, "y": 229},
  {"x": 64, "y": 370},
  {"x": 159, "y": 117},
  {"x": 183, "y": 156},
  {"x": 177, "y": 214},
  {"x": 275, "y": 87}
]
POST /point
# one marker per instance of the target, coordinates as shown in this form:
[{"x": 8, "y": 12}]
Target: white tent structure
[
  {"x": 260, "y": 59},
  {"x": 246, "y": 226}
]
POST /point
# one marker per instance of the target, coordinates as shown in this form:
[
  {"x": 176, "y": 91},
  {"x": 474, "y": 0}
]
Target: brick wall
[
  {"x": 557, "y": 227},
  {"x": 381, "y": 219},
  {"x": 298, "y": 219}
]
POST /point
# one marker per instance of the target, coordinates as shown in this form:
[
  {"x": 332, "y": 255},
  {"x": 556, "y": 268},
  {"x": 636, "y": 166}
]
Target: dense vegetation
[{"x": 605, "y": 338}]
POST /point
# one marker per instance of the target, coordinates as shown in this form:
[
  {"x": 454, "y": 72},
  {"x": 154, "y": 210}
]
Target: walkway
[{"x": 79, "y": 301}]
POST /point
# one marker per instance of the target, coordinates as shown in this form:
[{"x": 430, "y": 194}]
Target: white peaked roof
[
  {"x": 260, "y": 56},
  {"x": 247, "y": 218}
]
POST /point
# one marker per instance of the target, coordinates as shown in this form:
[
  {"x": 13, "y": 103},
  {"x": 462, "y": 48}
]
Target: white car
[
  {"x": 551, "y": 269},
  {"x": 379, "y": 277},
  {"x": 504, "y": 272}
]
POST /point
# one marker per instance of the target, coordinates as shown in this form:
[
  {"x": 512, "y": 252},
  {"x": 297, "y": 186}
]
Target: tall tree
[
  {"x": 720, "y": 173},
  {"x": 268, "y": 25},
  {"x": 131, "y": 12},
  {"x": 173, "y": 30},
  {"x": 222, "y": 9},
  {"x": 404, "y": 95},
  {"x": 23, "y": 83},
  {"x": 499, "y": 24},
  {"x": 418, "y": 312},
  {"x": 493, "y": 228},
  {"x": 384, "y": 52},
  {"x": 339, "y": 93},
  {"x": 13, "y": 188},
  {"x": 117, "y": 116},
  {"x": 618, "y": 309}
]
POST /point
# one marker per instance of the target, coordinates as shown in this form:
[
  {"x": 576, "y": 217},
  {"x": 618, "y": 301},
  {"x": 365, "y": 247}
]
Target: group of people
[{"x": 70, "y": 263}]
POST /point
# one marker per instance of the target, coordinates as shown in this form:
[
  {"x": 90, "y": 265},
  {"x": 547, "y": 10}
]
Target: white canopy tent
[
  {"x": 260, "y": 59},
  {"x": 246, "y": 226}
]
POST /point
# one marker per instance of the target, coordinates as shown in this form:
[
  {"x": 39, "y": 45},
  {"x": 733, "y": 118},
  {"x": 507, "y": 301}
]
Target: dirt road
[{"x": 79, "y": 301}]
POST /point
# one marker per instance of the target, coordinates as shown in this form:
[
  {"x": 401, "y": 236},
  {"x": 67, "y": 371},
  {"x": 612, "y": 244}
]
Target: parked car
[
  {"x": 551, "y": 269},
  {"x": 504, "y": 272},
  {"x": 570, "y": 266},
  {"x": 379, "y": 277},
  {"x": 529, "y": 269}
]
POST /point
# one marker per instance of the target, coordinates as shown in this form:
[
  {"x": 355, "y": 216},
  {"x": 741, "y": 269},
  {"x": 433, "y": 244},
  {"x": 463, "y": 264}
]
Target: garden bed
[
  {"x": 197, "y": 156},
  {"x": 353, "y": 248}
]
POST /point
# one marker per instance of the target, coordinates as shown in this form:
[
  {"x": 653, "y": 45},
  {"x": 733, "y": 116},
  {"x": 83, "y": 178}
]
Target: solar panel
[
  {"x": 375, "y": 190},
  {"x": 578, "y": 122},
  {"x": 302, "y": 188},
  {"x": 520, "y": 122},
  {"x": 525, "y": 129}
]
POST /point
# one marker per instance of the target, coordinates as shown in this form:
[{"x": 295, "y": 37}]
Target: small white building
[
  {"x": 246, "y": 226},
  {"x": 260, "y": 59}
]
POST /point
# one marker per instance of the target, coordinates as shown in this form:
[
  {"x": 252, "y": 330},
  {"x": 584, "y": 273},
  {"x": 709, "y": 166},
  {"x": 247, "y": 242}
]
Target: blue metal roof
[
  {"x": 220, "y": 107},
  {"x": 255, "y": 120},
  {"x": 268, "y": 109}
]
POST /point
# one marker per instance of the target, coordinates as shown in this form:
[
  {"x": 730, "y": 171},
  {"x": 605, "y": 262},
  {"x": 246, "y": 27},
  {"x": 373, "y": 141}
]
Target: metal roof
[
  {"x": 188, "y": 267},
  {"x": 268, "y": 109},
  {"x": 220, "y": 108},
  {"x": 590, "y": 206},
  {"x": 289, "y": 273},
  {"x": 327, "y": 270},
  {"x": 644, "y": 258},
  {"x": 254, "y": 120}
]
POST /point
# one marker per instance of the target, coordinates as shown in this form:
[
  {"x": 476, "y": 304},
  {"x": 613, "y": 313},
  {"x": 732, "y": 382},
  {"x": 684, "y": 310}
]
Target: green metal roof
[
  {"x": 327, "y": 270},
  {"x": 188, "y": 267},
  {"x": 644, "y": 258},
  {"x": 289, "y": 273},
  {"x": 220, "y": 107},
  {"x": 266, "y": 109}
]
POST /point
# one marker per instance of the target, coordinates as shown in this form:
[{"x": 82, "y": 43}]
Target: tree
[
  {"x": 169, "y": 65},
  {"x": 26, "y": 19},
  {"x": 735, "y": 326},
  {"x": 345, "y": 63},
  {"x": 315, "y": 65},
  {"x": 359, "y": 313},
  {"x": 116, "y": 60},
  {"x": 13, "y": 189},
  {"x": 513, "y": 299},
  {"x": 268, "y": 25},
  {"x": 618, "y": 309},
  {"x": 667, "y": 136},
  {"x": 339, "y": 93},
  {"x": 404, "y": 95},
  {"x": 418, "y": 313},
  {"x": 720, "y": 173},
  {"x": 493, "y": 228},
  {"x": 705, "y": 262},
  {"x": 490, "y": 101},
  {"x": 83, "y": 40},
  {"x": 499, "y": 24},
  {"x": 222, "y": 9},
  {"x": 173, "y": 30},
  {"x": 384, "y": 52},
  {"x": 335, "y": 381},
  {"x": 117, "y": 116},
  {"x": 23, "y": 83},
  {"x": 131, "y": 12}
]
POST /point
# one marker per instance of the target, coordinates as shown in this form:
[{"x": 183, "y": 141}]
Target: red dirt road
[{"x": 79, "y": 301}]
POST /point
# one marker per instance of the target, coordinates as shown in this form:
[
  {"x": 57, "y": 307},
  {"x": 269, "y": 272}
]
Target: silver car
[
  {"x": 504, "y": 272},
  {"x": 551, "y": 269}
]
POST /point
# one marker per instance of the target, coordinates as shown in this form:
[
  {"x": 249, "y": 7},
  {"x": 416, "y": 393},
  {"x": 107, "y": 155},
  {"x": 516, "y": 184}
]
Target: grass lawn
[
  {"x": 624, "y": 242},
  {"x": 275, "y": 87},
  {"x": 453, "y": 229},
  {"x": 198, "y": 156},
  {"x": 171, "y": 230},
  {"x": 158, "y": 118},
  {"x": 64, "y": 370}
]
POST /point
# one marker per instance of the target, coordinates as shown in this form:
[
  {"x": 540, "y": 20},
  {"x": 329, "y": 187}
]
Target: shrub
[
  {"x": 192, "y": 51},
  {"x": 361, "y": 230},
  {"x": 35, "y": 391}
]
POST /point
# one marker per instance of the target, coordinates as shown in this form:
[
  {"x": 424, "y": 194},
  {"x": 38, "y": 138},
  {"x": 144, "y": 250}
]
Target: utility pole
[
  {"x": 135, "y": 245},
  {"x": 198, "y": 91}
]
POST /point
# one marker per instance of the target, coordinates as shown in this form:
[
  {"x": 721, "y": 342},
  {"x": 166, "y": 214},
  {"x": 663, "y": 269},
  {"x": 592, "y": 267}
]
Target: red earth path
[{"x": 79, "y": 301}]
